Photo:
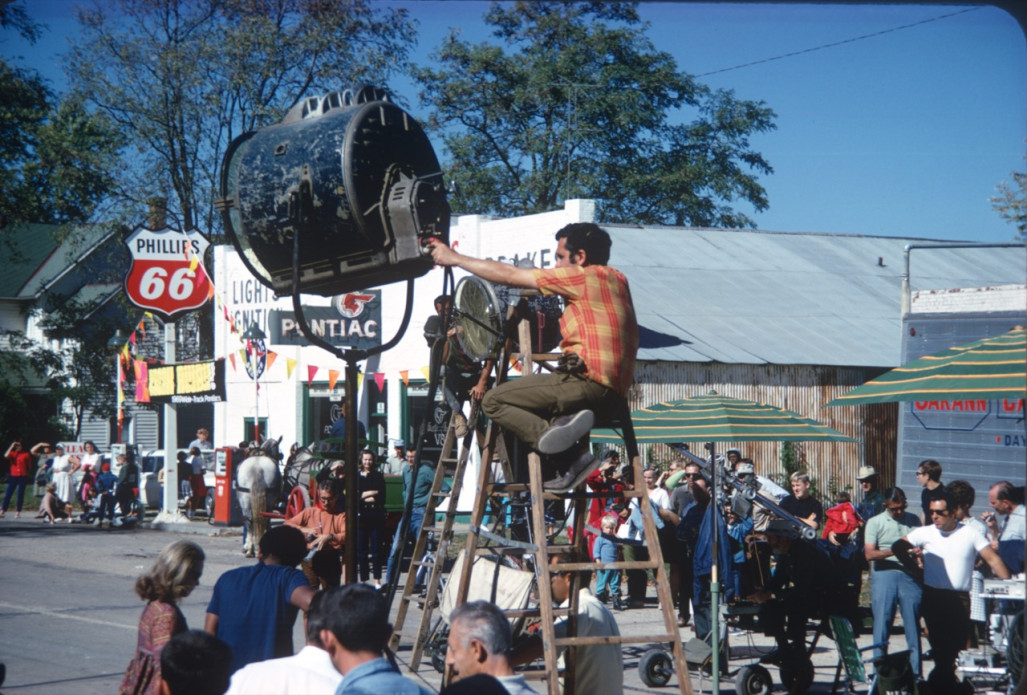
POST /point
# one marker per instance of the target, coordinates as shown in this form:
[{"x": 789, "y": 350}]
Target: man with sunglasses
[
  {"x": 946, "y": 552},
  {"x": 891, "y": 583}
]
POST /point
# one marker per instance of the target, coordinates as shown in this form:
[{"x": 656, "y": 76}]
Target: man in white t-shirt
[
  {"x": 946, "y": 550},
  {"x": 479, "y": 642}
]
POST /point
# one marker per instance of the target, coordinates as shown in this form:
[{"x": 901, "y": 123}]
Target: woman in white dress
[{"x": 64, "y": 467}]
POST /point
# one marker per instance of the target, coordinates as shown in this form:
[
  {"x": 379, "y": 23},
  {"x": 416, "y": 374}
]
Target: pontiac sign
[{"x": 353, "y": 320}]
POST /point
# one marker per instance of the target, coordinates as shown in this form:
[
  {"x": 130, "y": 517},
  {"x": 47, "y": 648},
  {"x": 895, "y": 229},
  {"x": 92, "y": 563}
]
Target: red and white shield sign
[{"x": 163, "y": 278}]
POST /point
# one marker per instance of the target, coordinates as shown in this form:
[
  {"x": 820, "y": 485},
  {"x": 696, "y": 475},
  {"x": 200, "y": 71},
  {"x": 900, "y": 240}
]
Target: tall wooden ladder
[
  {"x": 452, "y": 462},
  {"x": 480, "y": 541},
  {"x": 541, "y": 551}
]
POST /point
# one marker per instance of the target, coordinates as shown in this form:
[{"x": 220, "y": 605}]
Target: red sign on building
[{"x": 163, "y": 277}]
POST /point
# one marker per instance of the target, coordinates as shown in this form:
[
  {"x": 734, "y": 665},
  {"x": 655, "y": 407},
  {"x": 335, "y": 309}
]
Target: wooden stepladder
[{"x": 539, "y": 549}]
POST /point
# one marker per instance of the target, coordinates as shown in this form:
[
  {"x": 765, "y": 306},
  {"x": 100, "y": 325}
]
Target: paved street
[{"x": 68, "y": 614}]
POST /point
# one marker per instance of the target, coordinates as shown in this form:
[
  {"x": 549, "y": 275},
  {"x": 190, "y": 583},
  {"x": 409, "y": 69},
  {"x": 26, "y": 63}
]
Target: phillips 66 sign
[{"x": 164, "y": 278}]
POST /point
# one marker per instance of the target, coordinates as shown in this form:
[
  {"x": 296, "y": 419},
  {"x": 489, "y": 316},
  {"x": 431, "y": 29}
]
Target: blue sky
[{"x": 902, "y": 124}]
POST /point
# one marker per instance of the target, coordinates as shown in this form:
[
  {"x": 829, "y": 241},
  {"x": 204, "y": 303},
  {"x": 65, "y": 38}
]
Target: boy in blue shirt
[
  {"x": 106, "y": 485},
  {"x": 605, "y": 550}
]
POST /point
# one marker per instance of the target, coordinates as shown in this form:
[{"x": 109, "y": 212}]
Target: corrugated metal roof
[{"x": 745, "y": 296}]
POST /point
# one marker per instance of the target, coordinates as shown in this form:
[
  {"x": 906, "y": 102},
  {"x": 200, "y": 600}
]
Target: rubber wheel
[
  {"x": 797, "y": 673},
  {"x": 655, "y": 668},
  {"x": 753, "y": 680},
  {"x": 299, "y": 499}
]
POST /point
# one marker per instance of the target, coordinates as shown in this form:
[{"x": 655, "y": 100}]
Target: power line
[{"x": 840, "y": 43}]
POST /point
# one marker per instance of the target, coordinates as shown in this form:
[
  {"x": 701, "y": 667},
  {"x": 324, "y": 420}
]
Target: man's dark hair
[
  {"x": 358, "y": 617},
  {"x": 962, "y": 493},
  {"x": 932, "y": 468},
  {"x": 334, "y": 485},
  {"x": 945, "y": 495},
  {"x": 572, "y": 557},
  {"x": 196, "y": 663},
  {"x": 895, "y": 495},
  {"x": 587, "y": 237},
  {"x": 484, "y": 622},
  {"x": 286, "y": 543}
]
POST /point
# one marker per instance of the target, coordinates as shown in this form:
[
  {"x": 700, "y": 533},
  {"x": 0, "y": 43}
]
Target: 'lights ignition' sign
[{"x": 163, "y": 277}]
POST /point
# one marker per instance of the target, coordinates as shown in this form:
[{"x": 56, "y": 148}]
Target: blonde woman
[{"x": 173, "y": 577}]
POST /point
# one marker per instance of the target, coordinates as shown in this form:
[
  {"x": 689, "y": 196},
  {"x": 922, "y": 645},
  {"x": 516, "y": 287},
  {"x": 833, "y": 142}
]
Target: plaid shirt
[{"x": 599, "y": 321}]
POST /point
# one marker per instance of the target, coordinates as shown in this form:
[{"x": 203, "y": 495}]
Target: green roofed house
[{"x": 47, "y": 266}]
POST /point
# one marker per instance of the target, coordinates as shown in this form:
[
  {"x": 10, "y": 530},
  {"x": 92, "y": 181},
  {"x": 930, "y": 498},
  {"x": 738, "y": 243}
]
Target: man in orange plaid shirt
[{"x": 553, "y": 412}]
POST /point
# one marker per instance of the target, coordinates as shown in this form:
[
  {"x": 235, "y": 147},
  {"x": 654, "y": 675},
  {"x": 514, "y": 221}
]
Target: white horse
[{"x": 258, "y": 487}]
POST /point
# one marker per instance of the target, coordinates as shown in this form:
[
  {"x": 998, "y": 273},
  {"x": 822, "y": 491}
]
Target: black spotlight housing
[{"x": 352, "y": 178}]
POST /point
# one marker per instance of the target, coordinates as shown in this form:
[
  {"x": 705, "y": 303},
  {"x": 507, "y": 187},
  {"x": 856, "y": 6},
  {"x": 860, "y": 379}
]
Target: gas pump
[{"x": 226, "y": 505}]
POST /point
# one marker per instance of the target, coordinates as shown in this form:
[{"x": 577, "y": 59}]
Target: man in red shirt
[{"x": 553, "y": 412}]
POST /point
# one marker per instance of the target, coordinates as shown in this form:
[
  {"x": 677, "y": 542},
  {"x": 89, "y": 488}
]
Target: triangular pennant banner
[
  {"x": 132, "y": 338},
  {"x": 290, "y": 364},
  {"x": 231, "y": 358},
  {"x": 271, "y": 357},
  {"x": 427, "y": 373},
  {"x": 360, "y": 381},
  {"x": 311, "y": 372},
  {"x": 405, "y": 376},
  {"x": 333, "y": 377},
  {"x": 193, "y": 262},
  {"x": 379, "y": 378}
]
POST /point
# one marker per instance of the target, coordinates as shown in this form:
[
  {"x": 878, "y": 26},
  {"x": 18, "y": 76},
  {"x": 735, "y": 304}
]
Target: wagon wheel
[{"x": 298, "y": 500}]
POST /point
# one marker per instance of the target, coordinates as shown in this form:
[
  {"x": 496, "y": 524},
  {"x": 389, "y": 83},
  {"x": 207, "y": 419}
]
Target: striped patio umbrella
[
  {"x": 716, "y": 418},
  {"x": 988, "y": 368}
]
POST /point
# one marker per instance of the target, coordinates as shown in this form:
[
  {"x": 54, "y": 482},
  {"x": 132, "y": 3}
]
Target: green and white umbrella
[
  {"x": 716, "y": 418},
  {"x": 988, "y": 368}
]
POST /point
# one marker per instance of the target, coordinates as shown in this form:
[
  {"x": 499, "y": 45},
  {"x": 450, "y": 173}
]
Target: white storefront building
[{"x": 302, "y": 386}]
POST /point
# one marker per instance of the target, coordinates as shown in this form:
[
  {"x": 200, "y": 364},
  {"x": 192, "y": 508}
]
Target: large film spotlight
[
  {"x": 352, "y": 178},
  {"x": 480, "y": 314}
]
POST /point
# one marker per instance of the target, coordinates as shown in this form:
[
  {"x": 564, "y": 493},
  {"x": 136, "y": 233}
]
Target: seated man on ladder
[{"x": 551, "y": 413}]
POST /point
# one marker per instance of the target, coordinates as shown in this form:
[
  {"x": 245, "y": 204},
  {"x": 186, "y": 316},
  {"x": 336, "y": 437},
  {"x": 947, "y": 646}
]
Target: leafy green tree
[
  {"x": 184, "y": 77},
  {"x": 1011, "y": 203},
  {"x": 577, "y": 102},
  {"x": 24, "y": 106}
]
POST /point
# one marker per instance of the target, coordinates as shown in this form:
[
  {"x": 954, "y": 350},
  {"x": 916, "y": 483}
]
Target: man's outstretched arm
[{"x": 493, "y": 271}]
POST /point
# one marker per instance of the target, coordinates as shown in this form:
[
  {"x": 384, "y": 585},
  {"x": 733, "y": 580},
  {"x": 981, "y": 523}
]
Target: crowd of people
[
  {"x": 928, "y": 572},
  {"x": 73, "y": 488},
  {"x": 929, "y": 565}
]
